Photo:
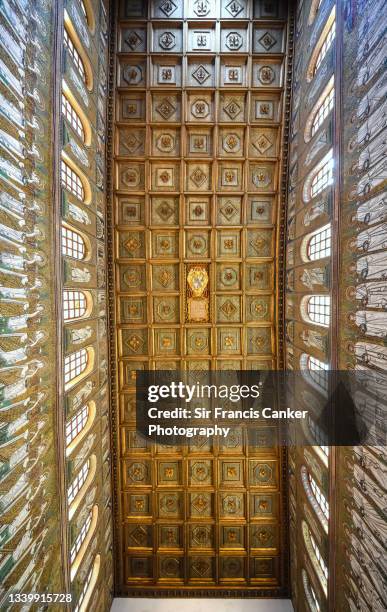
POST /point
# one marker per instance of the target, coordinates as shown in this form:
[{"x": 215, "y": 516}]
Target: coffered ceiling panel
[{"x": 199, "y": 98}]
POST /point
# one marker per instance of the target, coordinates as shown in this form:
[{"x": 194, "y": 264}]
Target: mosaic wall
[
  {"x": 336, "y": 248},
  {"x": 55, "y": 499},
  {"x": 30, "y": 554},
  {"x": 362, "y": 471},
  {"x": 198, "y": 109},
  {"x": 309, "y": 273},
  {"x": 84, "y": 306}
]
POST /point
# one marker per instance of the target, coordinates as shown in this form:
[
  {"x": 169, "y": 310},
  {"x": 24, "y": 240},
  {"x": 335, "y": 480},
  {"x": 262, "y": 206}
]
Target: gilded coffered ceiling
[{"x": 198, "y": 128}]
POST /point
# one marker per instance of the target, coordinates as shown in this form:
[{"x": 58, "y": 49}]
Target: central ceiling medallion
[{"x": 197, "y": 293}]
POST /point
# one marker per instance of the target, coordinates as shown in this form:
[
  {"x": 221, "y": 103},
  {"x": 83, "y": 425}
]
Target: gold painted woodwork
[{"x": 196, "y": 178}]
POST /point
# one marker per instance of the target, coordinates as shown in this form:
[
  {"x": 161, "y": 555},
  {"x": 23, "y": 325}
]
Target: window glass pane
[
  {"x": 325, "y": 46},
  {"x": 73, "y": 244},
  {"x": 80, "y": 538},
  {"x": 74, "y": 304},
  {"x": 71, "y": 181},
  {"x": 319, "y": 495},
  {"x": 76, "y": 424},
  {"x": 74, "y": 55},
  {"x": 319, "y": 245},
  {"x": 323, "y": 110},
  {"x": 322, "y": 178},
  {"x": 319, "y": 309},
  {"x": 75, "y": 364},
  {"x": 78, "y": 481},
  {"x": 72, "y": 117}
]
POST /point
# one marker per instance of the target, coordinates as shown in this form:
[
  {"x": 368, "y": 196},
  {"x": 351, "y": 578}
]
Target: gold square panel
[
  {"x": 201, "y": 536},
  {"x": 198, "y": 341},
  {"x": 260, "y": 210},
  {"x": 228, "y": 277},
  {"x": 165, "y": 277},
  {"x": 258, "y": 308},
  {"x": 231, "y": 142},
  {"x": 231, "y": 473},
  {"x": 131, "y": 210},
  {"x": 228, "y": 309},
  {"x": 132, "y": 107},
  {"x": 170, "y": 536},
  {"x": 130, "y": 176},
  {"x": 200, "y": 472},
  {"x": 229, "y": 210},
  {"x": 165, "y": 244},
  {"x": 200, "y": 108},
  {"x": 232, "y": 108},
  {"x": 199, "y": 142},
  {"x": 197, "y": 210},
  {"x": 232, "y": 536},
  {"x": 169, "y": 473},
  {"x": 263, "y": 142},
  {"x": 201, "y": 504},
  {"x": 165, "y": 176},
  {"x": 197, "y": 244},
  {"x": 231, "y": 504},
  {"x": 167, "y": 341},
  {"x": 259, "y": 276},
  {"x": 228, "y": 244},
  {"x": 166, "y": 107},
  {"x": 198, "y": 176},
  {"x": 170, "y": 504},
  {"x": 131, "y": 142},
  {"x": 260, "y": 243},
  {"x": 164, "y": 211},
  {"x": 229, "y": 340},
  {"x": 132, "y": 277},
  {"x": 166, "y": 309},
  {"x": 133, "y": 310},
  {"x": 230, "y": 176},
  {"x": 165, "y": 142}
]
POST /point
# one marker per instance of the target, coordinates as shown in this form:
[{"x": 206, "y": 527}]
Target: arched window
[
  {"x": 88, "y": 13},
  {"x": 319, "y": 495},
  {"x": 78, "y": 482},
  {"x": 75, "y": 56},
  {"x": 325, "y": 46},
  {"x": 75, "y": 425},
  {"x": 315, "y": 556},
  {"x": 316, "y": 372},
  {"x": 318, "y": 309},
  {"x": 82, "y": 541},
  {"x": 320, "y": 437},
  {"x": 88, "y": 587},
  {"x": 73, "y": 244},
  {"x": 72, "y": 181},
  {"x": 80, "y": 537},
  {"x": 326, "y": 105},
  {"x": 322, "y": 178},
  {"x": 319, "y": 178},
  {"x": 319, "y": 243},
  {"x": 310, "y": 593},
  {"x": 75, "y": 364},
  {"x": 79, "y": 425},
  {"x": 75, "y": 304},
  {"x": 316, "y": 497},
  {"x": 72, "y": 117}
]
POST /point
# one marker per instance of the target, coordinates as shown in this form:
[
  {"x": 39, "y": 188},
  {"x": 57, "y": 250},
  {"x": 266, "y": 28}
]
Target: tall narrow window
[
  {"x": 310, "y": 593},
  {"x": 71, "y": 181},
  {"x": 322, "y": 178},
  {"x": 319, "y": 436},
  {"x": 88, "y": 586},
  {"x": 75, "y": 364},
  {"x": 80, "y": 538},
  {"x": 318, "y": 309},
  {"x": 73, "y": 52},
  {"x": 319, "y": 244},
  {"x": 78, "y": 481},
  {"x": 319, "y": 495},
  {"x": 316, "y": 497},
  {"x": 325, "y": 46},
  {"x": 319, "y": 557},
  {"x": 323, "y": 110},
  {"x": 83, "y": 8},
  {"x": 75, "y": 425},
  {"x": 318, "y": 372},
  {"x": 73, "y": 244},
  {"x": 72, "y": 117},
  {"x": 74, "y": 304}
]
